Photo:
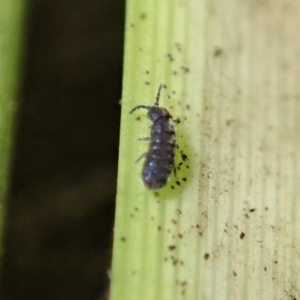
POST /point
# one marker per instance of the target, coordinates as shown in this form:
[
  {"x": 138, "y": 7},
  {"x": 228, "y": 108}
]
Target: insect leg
[
  {"x": 176, "y": 121},
  {"x": 174, "y": 170},
  {"x": 145, "y": 138},
  {"x": 141, "y": 157}
]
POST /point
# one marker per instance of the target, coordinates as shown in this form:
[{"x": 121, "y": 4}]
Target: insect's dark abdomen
[
  {"x": 160, "y": 157},
  {"x": 159, "y": 160}
]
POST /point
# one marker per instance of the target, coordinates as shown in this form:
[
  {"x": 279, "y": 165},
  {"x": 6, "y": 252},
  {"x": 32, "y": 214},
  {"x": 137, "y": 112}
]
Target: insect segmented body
[{"x": 159, "y": 160}]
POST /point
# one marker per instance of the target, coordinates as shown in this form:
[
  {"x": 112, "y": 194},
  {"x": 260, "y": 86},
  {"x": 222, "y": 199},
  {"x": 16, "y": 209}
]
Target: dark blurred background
[{"x": 61, "y": 201}]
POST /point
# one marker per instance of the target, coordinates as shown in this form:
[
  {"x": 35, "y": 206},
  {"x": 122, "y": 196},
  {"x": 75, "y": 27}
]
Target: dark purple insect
[{"x": 159, "y": 160}]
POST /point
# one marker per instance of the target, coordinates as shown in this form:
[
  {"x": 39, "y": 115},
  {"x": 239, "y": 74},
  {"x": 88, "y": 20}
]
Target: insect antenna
[
  {"x": 140, "y": 106},
  {"x": 158, "y": 95}
]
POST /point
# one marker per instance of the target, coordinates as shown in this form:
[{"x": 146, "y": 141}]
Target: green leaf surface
[{"x": 230, "y": 231}]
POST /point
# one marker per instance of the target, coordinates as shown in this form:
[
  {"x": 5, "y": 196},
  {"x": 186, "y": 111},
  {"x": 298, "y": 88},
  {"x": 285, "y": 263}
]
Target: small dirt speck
[
  {"x": 218, "y": 51},
  {"x": 183, "y": 156},
  {"x": 172, "y": 247},
  {"x": 170, "y": 57},
  {"x": 143, "y": 16},
  {"x": 206, "y": 256},
  {"x": 185, "y": 69}
]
